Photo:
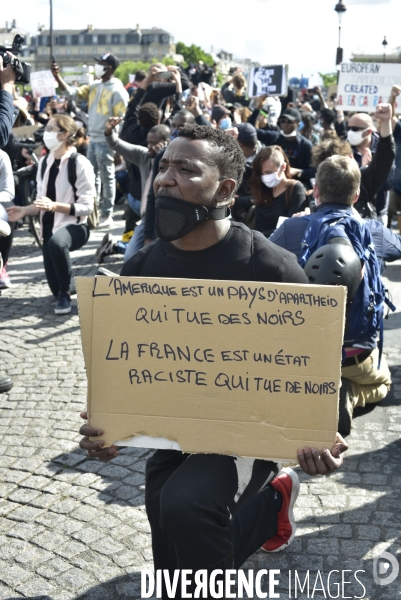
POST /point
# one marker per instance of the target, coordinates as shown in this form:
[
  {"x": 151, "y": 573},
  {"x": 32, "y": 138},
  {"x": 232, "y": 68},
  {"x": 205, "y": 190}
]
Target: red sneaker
[{"x": 287, "y": 483}]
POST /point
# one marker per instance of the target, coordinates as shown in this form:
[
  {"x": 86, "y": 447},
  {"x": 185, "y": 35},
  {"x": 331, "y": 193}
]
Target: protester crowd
[{"x": 304, "y": 176}]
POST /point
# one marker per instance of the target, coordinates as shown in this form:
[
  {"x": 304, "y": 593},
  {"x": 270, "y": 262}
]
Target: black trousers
[
  {"x": 187, "y": 502},
  {"x": 56, "y": 254},
  {"x": 6, "y": 243}
]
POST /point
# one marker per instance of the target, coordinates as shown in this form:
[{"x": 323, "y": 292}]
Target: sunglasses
[
  {"x": 353, "y": 128},
  {"x": 285, "y": 122}
]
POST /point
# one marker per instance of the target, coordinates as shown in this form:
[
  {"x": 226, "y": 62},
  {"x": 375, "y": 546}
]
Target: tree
[
  {"x": 130, "y": 67},
  {"x": 329, "y": 79},
  {"x": 193, "y": 54}
]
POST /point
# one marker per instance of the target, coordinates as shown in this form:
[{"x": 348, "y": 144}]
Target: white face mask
[
  {"x": 272, "y": 179},
  {"x": 355, "y": 137},
  {"x": 99, "y": 71},
  {"x": 287, "y": 135},
  {"x": 51, "y": 141}
]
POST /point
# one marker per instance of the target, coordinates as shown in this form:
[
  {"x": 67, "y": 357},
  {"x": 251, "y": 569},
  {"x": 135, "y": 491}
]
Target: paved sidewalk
[{"x": 75, "y": 528}]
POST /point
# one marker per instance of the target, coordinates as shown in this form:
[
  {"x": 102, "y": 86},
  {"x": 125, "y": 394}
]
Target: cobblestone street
[{"x": 76, "y": 528}]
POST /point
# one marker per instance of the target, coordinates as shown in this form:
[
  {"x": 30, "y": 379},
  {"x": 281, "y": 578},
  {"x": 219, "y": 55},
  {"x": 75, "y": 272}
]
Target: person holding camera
[
  {"x": 106, "y": 98},
  {"x": 64, "y": 200}
]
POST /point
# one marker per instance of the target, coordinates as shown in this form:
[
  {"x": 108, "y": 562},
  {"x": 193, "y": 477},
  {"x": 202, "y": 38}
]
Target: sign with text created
[
  {"x": 362, "y": 86},
  {"x": 241, "y": 368}
]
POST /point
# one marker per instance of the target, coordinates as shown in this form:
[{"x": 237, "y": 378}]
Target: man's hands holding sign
[
  {"x": 95, "y": 449},
  {"x": 311, "y": 461},
  {"x": 314, "y": 463}
]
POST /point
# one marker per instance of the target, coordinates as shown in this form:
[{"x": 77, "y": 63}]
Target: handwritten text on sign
[
  {"x": 362, "y": 86},
  {"x": 194, "y": 360},
  {"x": 43, "y": 84}
]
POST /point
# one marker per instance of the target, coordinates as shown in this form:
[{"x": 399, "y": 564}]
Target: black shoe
[
  {"x": 106, "y": 248},
  {"x": 63, "y": 304},
  {"x": 6, "y": 383},
  {"x": 345, "y": 409}
]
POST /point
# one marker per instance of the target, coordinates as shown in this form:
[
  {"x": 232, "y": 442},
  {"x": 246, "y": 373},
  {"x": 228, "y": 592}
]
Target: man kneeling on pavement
[
  {"x": 197, "y": 522},
  {"x": 366, "y": 376}
]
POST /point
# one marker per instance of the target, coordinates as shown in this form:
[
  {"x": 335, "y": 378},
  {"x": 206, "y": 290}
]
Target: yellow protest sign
[{"x": 244, "y": 368}]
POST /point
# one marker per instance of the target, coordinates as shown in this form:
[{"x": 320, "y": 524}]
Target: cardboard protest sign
[
  {"x": 25, "y": 131},
  {"x": 268, "y": 80},
  {"x": 43, "y": 84},
  {"x": 362, "y": 86},
  {"x": 243, "y": 368}
]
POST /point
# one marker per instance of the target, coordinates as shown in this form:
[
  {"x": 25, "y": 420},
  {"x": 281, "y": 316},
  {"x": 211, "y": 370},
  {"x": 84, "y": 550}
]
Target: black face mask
[{"x": 176, "y": 218}]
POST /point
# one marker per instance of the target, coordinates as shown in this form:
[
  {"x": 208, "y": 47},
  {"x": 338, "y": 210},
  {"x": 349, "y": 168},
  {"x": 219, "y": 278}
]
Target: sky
[{"x": 303, "y": 35}]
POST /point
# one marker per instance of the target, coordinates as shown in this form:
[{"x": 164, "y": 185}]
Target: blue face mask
[
  {"x": 173, "y": 134},
  {"x": 225, "y": 123},
  {"x": 301, "y": 126}
]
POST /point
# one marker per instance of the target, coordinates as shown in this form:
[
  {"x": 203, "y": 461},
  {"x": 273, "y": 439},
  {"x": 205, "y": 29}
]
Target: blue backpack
[{"x": 366, "y": 312}]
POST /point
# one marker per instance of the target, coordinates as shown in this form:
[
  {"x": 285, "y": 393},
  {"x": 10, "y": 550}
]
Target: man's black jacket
[
  {"x": 374, "y": 176},
  {"x": 304, "y": 151},
  {"x": 6, "y": 116}
]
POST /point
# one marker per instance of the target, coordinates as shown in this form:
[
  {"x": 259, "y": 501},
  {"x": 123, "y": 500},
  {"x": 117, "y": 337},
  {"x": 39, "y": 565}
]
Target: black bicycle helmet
[{"x": 335, "y": 263}]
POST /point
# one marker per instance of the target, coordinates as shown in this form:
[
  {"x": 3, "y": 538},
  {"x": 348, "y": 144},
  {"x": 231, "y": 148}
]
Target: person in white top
[
  {"x": 63, "y": 210},
  {"x": 7, "y": 193}
]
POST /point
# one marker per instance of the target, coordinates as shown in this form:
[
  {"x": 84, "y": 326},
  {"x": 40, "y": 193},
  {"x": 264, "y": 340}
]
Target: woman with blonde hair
[
  {"x": 64, "y": 199},
  {"x": 274, "y": 193}
]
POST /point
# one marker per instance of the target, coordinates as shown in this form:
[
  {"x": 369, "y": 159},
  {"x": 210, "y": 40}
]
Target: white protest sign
[
  {"x": 315, "y": 80},
  {"x": 362, "y": 86},
  {"x": 271, "y": 80},
  {"x": 43, "y": 84},
  {"x": 131, "y": 77}
]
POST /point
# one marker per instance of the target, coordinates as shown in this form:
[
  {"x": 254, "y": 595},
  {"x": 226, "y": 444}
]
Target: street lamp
[
  {"x": 384, "y": 44},
  {"x": 340, "y": 9},
  {"x": 51, "y": 31}
]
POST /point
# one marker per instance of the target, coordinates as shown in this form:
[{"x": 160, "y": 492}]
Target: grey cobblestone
[
  {"x": 24, "y": 513},
  {"x": 50, "y": 540},
  {"x": 75, "y": 579},
  {"x": 23, "y": 496},
  {"x": 32, "y": 556},
  {"x": 13, "y": 574},
  {"x": 72, "y": 528},
  {"x": 52, "y": 568},
  {"x": 37, "y": 586},
  {"x": 88, "y": 535},
  {"x": 64, "y": 506},
  {"x": 70, "y": 549}
]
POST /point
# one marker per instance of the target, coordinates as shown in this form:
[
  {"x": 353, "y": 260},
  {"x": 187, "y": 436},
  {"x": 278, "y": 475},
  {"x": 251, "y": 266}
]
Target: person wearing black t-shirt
[
  {"x": 195, "y": 521},
  {"x": 274, "y": 192},
  {"x": 297, "y": 148}
]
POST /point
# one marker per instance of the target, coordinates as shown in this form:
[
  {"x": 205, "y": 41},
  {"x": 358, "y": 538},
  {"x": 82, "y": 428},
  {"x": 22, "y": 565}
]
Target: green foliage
[
  {"x": 219, "y": 79},
  {"x": 131, "y": 67},
  {"x": 329, "y": 79},
  {"x": 193, "y": 54}
]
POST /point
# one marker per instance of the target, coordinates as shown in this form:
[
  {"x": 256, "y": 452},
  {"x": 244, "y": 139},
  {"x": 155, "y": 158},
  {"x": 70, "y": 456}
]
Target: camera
[{"x": 22, "y": 70}]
